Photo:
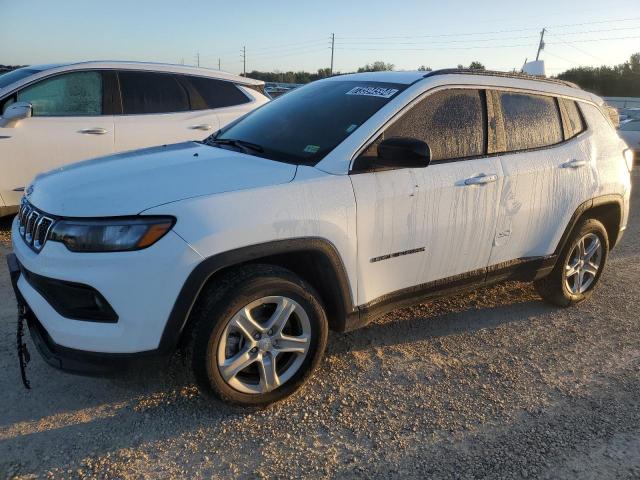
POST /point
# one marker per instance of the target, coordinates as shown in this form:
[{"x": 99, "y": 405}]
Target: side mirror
[
  {"x": 16, "y": 112},
  {"x": 396, "y": 152},
  {"x": 404, "y": 152}
]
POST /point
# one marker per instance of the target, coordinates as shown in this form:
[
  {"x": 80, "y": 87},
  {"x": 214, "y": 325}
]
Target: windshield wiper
[{"x": 237, "y": 143}]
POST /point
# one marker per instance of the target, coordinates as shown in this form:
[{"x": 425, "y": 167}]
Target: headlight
[{"x": 112, "y": 234}]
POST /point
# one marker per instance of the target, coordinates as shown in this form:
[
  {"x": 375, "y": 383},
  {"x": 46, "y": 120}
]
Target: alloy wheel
[
  {"x": 583, "y": 264},
  {"x": 264, "y": 344}
]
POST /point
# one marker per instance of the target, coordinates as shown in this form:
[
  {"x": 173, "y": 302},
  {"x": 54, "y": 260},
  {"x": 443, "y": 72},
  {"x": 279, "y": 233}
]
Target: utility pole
[
  {"x": 244, "y": 60},
  {"x": 198, "y": 58},
  {"x": 219, "y": 64},
  {"x": 541, "y": 44},
  {"x": 333, "y": 42}
]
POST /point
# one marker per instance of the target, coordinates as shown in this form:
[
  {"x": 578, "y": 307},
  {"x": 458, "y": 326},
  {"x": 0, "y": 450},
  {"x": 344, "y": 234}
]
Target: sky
[{"x": 295, "y": 35}]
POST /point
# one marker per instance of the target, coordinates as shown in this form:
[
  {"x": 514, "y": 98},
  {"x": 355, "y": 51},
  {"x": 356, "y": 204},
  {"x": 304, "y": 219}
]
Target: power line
[
  {"x": 445, "y": 42},
  {"x": 438, "y": 42},
  {"x": 354, "y": 42},
  {"x": 323, "y": 46},
  {"x": 547, "y": 52},
  {"x": 305, "y": 52},
  {"x": 460, "y": 34},
  {"x": 438, "y": 48},
  {"x": 440, "y": 35},
  {"x": 574, "y": 47},
  {"x": 615, "y": 29},
  {"x": 596, "y": 22},
  {"x": 486, "y": 46},
  {"x": 586, "y": 40},
  {"x": 270, "y": 47}
]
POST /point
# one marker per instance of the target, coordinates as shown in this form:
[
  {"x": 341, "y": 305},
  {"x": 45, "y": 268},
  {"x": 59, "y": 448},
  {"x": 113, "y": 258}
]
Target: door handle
[
  {"x": 93, "y": 131},
  {"x": 481, "y": 179},
  {"x": 203, "y": 126},
  {"x": 574, "y": 164}
]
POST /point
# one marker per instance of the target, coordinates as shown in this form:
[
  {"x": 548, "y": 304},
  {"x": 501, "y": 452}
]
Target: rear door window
[
  {"x": 147, "y": 92},
  {"x": 209, "y": 93},
  {"x": 67, "y": 95},
  {"x": 530, "y": 121},
  {"x": 452, "y": 122}
]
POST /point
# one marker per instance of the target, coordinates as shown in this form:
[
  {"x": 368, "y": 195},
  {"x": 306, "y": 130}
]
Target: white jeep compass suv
[
  {"x": 332, "y": 204},
  {"x": 52, "y": 115}
]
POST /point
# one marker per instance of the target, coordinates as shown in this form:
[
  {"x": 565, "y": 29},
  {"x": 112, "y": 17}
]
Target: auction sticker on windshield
[{"x": 373, "y": 91}]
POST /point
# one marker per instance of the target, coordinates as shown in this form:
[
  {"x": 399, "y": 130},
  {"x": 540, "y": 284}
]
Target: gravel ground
[{"x": 492, "y": 384}]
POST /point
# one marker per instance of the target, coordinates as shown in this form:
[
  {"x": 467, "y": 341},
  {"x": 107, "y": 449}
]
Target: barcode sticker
[{"x": 373, "y": 91}]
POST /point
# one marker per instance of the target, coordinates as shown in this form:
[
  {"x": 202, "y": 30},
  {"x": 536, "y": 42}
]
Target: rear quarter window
[
  {"x": 530, "y": 121},
  {"x": 209, "y": 93},
  {"x": 573, "y": 123}
]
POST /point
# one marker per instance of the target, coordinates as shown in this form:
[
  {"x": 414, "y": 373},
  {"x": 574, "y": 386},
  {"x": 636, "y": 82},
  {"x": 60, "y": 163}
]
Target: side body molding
[
  {"x": 331, "y": 265},
  {"x": 344, "y": 315}
]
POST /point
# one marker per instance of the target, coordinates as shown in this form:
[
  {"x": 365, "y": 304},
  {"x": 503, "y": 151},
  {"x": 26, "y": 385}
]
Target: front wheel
[
  {"x": 579, "y": 266},
  {"x": 260, "y": 332}
]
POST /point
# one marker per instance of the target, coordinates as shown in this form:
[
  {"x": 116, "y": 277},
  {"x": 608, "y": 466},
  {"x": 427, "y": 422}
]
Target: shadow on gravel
[
  {"x": 407, "y": 326},
  {"x": 167, "y": 383},
  {"x": 603, "y": 421},
  {"x": 158, "y": 385},
  {"x": 5, "y": 222},
  {"x": 529, "y": 440}
]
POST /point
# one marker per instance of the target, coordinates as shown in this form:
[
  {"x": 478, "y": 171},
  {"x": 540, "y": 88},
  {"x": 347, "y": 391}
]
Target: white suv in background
[
  {"x": 333, "y": 204},
  {"x": 57, "y": 114}
]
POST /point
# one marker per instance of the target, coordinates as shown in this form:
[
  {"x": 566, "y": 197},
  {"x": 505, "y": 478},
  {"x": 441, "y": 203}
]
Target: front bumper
[
  {"x": 68, "y": 359},
  {"x": 141, "y": 287}
]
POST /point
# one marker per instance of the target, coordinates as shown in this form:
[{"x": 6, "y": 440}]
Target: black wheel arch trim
[
  {"x": 609, "y": 199},
  {"x": 206, "y": 269}
]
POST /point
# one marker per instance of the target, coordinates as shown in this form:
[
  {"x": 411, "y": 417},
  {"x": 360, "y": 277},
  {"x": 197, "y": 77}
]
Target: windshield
[
  {"x": 304, "y": 125},
  {"x": 15, "y": 75}
]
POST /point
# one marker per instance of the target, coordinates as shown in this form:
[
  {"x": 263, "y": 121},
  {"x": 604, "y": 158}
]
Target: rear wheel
[
  {"x": 579, "y": 266},
  {"x": 259, "y": 334}
]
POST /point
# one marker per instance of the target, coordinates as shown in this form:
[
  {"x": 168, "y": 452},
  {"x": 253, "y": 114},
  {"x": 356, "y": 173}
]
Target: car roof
[
  {"x": 43, "y": 66},
  {"x": 470, "y": 77},
  {"x": 146, "y": 66},
  {"x": 402, "y": 77}
]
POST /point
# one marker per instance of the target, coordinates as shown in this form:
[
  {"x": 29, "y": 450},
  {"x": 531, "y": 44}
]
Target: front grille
[{"x": 33, "y": 225}]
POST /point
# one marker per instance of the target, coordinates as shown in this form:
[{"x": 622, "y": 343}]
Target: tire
[
  {"x": 221, "y": 335},
  {"x": 560, "y": 289}
]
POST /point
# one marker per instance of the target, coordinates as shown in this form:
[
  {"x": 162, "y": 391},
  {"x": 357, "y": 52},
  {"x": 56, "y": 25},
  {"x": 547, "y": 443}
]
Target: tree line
[
  {"x": 622, "y": 80},
  {"x": 306, "y": 77}
]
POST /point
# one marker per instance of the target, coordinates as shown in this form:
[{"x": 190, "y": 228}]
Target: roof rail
[{"x": 492, "y": 73}]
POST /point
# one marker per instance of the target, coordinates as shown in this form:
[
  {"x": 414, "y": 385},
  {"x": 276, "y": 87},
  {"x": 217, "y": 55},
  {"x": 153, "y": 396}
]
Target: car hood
[{"x": 131, "y": 182}]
